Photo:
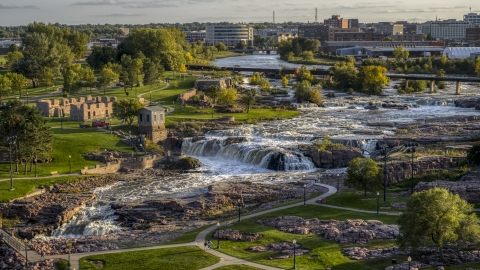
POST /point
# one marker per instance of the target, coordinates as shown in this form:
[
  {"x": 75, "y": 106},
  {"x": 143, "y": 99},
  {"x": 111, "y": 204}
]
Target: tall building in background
[
  {"x": 472, "y": 18},
  {"x": 315, "y": 31},
  {"x": 446, "y": 29},
  {"x": 336, "y": 21},
  {"x": 353, "y": 23},
  {"x": 389, "y": 28},
  {"x": 194, "y": 36},
  {"x": 229, "y": 34}
]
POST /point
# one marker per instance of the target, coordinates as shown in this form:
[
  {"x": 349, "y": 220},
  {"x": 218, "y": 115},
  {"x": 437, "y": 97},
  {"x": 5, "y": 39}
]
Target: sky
[{"x": 22, "y": 12}]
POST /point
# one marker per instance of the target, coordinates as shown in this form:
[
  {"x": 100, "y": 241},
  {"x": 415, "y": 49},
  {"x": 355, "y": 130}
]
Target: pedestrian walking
[
  {"x": 42, "y": 254},
  {"x": 209, "y": 243}
]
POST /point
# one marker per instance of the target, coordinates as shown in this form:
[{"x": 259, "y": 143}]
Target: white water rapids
[{"x": 249, "y": 160}]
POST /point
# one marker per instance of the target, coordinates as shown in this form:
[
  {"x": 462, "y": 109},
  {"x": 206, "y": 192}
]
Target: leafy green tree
[
  {"x": 285, "y": 47},
  {"x": 264, "y": 84},
  {"x": 131, "y": 68},
  {"x": 364, "y": 173},
  {"x": 213, "y": 92},
  {"x": 413, "y": 86},
  {"x": 241, "y": 45},
  {"x": 12, "y": 58},
  {"x": 127, "y": 109},
  {"x": 71, "y": 79},
  {"x": 5, "y": 85},
  {"x": 87, "y": 76},
  {"x": 303, "y": 74},
  {"x": 304, "y": 92},
  {"x": 151, "y": 72},
  {"x": 46, "y": 77},
  {"x": 221, "y": 47},
  {"x": 255, "y": 79},
  {"x": 473, "y": 155},
  {"x": 247, "y": 99},
  {"x": 107, "y": 78},
  {"x": 100, "y": 56},
  {"x": 308, "y": 55},
  {"x": 437, "y": 216},
  {"x": 400, "y": 53},
  {"x": 477, "y": 67},
  {"x": 372, "y": 79},
  {"x": 344, "y": 75},
  {"x": 315, "y": 96},
  {"x": 227, "y": 96},
  {"x": 18, "y": 82},
  {"x": 284, "y": 81}
]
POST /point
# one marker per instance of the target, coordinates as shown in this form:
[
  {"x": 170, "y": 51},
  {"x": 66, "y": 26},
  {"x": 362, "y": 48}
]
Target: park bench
[{"x": 54, "y": 173}]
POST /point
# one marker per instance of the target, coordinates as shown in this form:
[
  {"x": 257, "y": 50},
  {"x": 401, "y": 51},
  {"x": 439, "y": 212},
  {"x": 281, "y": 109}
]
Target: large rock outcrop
[
  {"x": 468, "y": 188},
  {"x": 334, "y": 158},
  {"x": 403, "y": 170}
]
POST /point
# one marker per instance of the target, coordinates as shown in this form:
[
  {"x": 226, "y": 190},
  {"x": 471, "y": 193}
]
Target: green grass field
[
  {"x": 356, "y": 199},
  {"x": 23, "y": 187},
  {"x": 181, "y": 258},
  {"x": 236, "y": 267},
  {"x": 324, "y": 253},
  {"x": 3, "y": 61},
  {"x": 73, "y": 142}
]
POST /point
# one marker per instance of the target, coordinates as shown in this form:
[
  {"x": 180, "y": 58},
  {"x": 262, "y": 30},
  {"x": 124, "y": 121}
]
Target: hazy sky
[{"x": 16, "y": 12}]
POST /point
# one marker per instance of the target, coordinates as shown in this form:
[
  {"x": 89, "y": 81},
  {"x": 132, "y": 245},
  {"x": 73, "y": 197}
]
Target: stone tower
[{"x": 151, "y": 123}]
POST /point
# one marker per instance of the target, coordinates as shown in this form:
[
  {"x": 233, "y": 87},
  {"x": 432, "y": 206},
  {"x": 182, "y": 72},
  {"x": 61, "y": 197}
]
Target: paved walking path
[{"x": 202, "y": 236}]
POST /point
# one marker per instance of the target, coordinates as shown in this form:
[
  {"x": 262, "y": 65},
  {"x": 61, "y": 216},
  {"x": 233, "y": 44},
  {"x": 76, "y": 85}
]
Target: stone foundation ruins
[{"x": 81, "y": 109}]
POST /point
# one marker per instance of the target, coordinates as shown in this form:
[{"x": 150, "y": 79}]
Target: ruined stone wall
[
  {"x": 403, "y": 170},
  {"x": 77, "y": 108},
  {"x": 467, "y": 190},
  {"x": 154, "y": 133},
  {"x": 109, "y": 168},
  {"x": 113, "y": 167},
  {"x": 203, "y": 84},
  {"x": 184, "y": 97}
]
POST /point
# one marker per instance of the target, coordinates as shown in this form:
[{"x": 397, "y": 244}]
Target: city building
[
  {"x": 408, "y": 28},
  {"x": 353, "y": 23},
  {"x": 284, "y": 36},
  {"x": 473, "y": 18},
  {"x": 333, "y": 46},
  {"x": 336, "y": 21},
  {"x": 151, "y": 123},
  {"x": 315, "y": 31},
  {"x": 460, "y": 52},
  {"x": 386, "y": 50},
  {"x": 125, "y": 31},
  {"x": 229, "y": 34},
  {"x": 389, "y": 28},
  {"x": 194, "y": 36},
  {"x": 371, "y": 35},
  {"x": 446, "y": 29},
  {"x": 472, "y": 34},
  {"x": 332, "y": 31}
]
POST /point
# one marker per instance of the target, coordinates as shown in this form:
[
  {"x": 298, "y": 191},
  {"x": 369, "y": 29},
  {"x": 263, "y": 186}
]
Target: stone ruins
[{"x": 81, "y": 109}]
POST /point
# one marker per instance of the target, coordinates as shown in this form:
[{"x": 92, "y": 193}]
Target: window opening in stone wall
[
  {"x": 141, "y": 117},
  {"x": 106, "y": 113},
  {"x": 88, "y": 115},
  {"x": 94, "y": 114},
  {"x": 148, "y": 118},
  {"x": 154, "y": 118}
]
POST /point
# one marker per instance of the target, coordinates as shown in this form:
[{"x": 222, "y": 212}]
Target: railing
[{"x": 13, "y": 242}]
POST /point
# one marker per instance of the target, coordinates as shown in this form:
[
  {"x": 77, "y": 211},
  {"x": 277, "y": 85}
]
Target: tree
[
  {"x": 46, "y": 77},
  {"x": 107, "y": 78},
  {"x": 213, "y": 92},
  {"x": 131, "y": 68},
  {"x": 315, "y": 96},
  {"x": 240, "y": 45},
  {"x": 372, "y": 79},
  {"x": 5, "y": 85},
  {"x": 100, "y": 56},
  {"x": 437, "y": 216},
  {"x": 284, "y": 81},
  {"x": 12, "y": 58},
  {"x": 308, "y": 55},
  {"x": 182, "y": 68},
  {"x": 473, "y": 155},
  {"x": 227, "y": 96},
  {"x": 364, "y": 173},
  {"x": 71, "y": 79},
  {"x": 304, "y": 92},
  {"x": 151, "y": 72},
  {"x": 264, "y": 84},
  {"x": 255, "y": 79},
  {"x": 477, "y": 67},
  {"x": 344, "y": 75},
  {"x": 127, "y": 109},
  {"x": 88, "y": 77},
  {"x": 400, "y": 53},
  {"x": 221, "y": 47},
  {"x": 248, "y": 99},
  {"x": 303, "y": 74},
  {"x": 18, "y": 81}
]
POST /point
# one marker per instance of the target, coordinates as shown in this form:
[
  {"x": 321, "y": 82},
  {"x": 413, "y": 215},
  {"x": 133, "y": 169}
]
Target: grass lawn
[
  {"x": 459, "y": 267},
  {"x": 356, "y": 199},
  {"x": 189, "y": 236},
  {"x": 324, "y": 253},
  {"x": 236, "y": 267},
  {"x": 3, "y": 61},
  {"x": 23, "y": 187},
  {"x": 181, "y": 258},
  {"x": 73, "y": 142}
]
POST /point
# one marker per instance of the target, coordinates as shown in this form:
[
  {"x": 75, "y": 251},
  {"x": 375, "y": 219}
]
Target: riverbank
[{"x": 316, "y": 61}]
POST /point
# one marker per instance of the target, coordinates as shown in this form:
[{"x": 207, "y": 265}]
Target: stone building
[
  {"x": 81, "y": 109},
  {"x": 202, "y": 84},
  {"x": 151, "y": 123}
]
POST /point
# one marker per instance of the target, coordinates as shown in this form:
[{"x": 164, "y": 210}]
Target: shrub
[{"x": 62, "y": 264}]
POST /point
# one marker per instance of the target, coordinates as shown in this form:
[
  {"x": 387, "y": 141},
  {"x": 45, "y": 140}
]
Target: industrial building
[
  {"x": 387, "y": 51},
  {"x": 446, "y": 29},
  {"x": 460, "y": 52}
]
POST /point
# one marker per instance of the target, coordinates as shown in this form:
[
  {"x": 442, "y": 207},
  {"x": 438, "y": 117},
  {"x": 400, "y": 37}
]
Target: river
[
  {"x": 341, "y": 119},
  {"x": 260, "y": 61}
]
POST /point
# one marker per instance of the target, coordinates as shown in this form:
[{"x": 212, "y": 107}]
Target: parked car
[
  {"x": 100, "y": 123},
  {"x": 359, "y": 59}
]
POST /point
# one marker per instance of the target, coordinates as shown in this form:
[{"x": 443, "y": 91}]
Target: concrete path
[{"x": 41, "y": 177}]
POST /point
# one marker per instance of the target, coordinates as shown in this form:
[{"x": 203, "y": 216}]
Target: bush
[
  {"x": 350, "y": 91},
  {"x": 331, "y": 95},
  {"x": 441, "y": 85},
  {"x": 62, "y": 264}
]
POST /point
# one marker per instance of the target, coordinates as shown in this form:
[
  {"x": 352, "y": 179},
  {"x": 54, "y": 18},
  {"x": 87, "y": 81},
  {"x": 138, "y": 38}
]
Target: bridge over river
[{"x": 324, "y": 72}]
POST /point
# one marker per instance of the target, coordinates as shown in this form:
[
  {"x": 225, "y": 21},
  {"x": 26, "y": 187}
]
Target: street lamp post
[
  {"x": 304, "y": 195},
  {"x": 150, "y": 96},
  {"x": 378, "y": 202},
  {"x": 26, "y": 254},
  {"x": 412, "y": 145},
  {"x": 27, "y": 97},
  {"x": 338, "y": 183},
  {"x": 61, "y": 120},
  {"x": 239, "y": 210},
  {"x": 218, "y": 235},
  {"x": 384, "y": 152},
  {"x": 70, "y": 162},
  {"x": 11, "y": 141},
  {"x": 294, "y": 255},
  {"x": 394, "y": 263},
  {"x": 409, "y": 261}
]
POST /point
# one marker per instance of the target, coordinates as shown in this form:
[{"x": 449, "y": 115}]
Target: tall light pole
[
  {"x": 304, "y": 194},
  {"x": 70, "y": 162},
  {"x": 384, "y": 152},
  {"x": 409, "y": 261},
  {"x": 378, "y": 202},
  {"x": 294, "y": 255},
  {"x": 11, "y": 141},
  {"x": 239, "y": 209},
  {"x": 338, "y": 183},
  {"x": 61, "y": 119},
  {"x": 412, "y": 145},
  {"x": 218, "y": 235}
]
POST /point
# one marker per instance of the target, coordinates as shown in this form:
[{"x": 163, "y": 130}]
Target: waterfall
[{"x": 265, "y": 156}]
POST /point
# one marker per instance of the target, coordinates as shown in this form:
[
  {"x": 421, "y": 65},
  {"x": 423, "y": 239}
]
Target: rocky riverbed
[{"x": 11, "y": 259}]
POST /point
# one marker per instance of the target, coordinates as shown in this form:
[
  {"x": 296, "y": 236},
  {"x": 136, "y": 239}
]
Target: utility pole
[
  {"x": 274, "y": 17},
  {"x": 316, "y": 17}
]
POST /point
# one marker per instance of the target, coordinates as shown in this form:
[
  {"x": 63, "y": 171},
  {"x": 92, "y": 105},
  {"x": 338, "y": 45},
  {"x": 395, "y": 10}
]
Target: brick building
[
  {"x": 151, "y": 123},
  {"x": 315, "y": 31},
  {"x": 336, "y": 21},
  {"x": 472, "y": 34},
  {"x": 81, "y": 109}
]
